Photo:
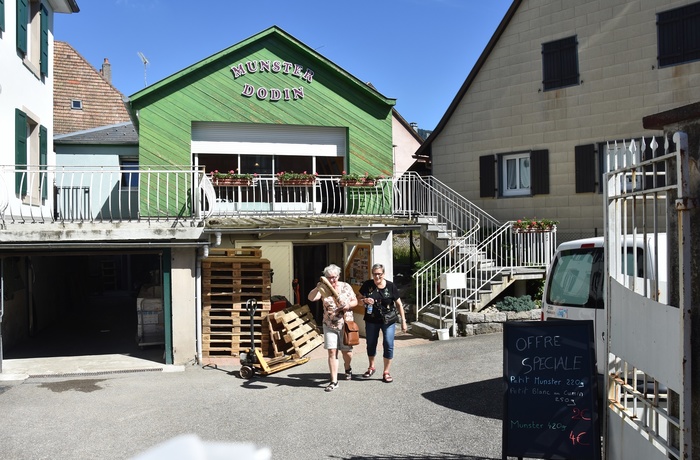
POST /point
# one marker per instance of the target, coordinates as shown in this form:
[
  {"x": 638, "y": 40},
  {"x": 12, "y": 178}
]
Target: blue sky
[{"x": 416, "y": 51}]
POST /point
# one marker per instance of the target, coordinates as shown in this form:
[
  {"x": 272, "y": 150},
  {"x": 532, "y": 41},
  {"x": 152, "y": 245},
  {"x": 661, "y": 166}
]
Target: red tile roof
[{"x": 76, "y": 79}]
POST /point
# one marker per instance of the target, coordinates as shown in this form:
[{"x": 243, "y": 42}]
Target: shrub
[{"x": 524, "y": 303}]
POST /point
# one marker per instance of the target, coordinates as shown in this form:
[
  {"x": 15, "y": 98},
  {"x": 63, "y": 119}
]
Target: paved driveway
[{"x": 445, "y": 403}]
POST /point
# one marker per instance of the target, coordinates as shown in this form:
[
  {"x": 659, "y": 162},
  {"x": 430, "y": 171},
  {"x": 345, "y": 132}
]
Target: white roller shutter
[{"x": 257, "y": 139}]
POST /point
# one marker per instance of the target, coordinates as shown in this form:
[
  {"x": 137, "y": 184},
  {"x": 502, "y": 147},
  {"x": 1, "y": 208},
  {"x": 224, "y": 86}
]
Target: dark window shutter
[
  {"x": 44, "y": 60},
  {"x": 43, "y": 160},
  {"x": 20, "y": 152},
  {"x": 487, "y": 176},
  {"x": 585, "y": 168},
  {"x": 560, "y": 63},
  {"x": 539, "y": 161},
  {"x": 22, "y": 23},
  {"x": 678, "y": 38},
  {"x": 2, "y": 15}
]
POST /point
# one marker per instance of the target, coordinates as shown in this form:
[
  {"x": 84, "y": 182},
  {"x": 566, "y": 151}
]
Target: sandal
[
  {"x": 370, "y": 372},
  {"x": 387, "y": 378},
  {"x": 348, "y": 374},
  {"x": 332, "y": 386}
]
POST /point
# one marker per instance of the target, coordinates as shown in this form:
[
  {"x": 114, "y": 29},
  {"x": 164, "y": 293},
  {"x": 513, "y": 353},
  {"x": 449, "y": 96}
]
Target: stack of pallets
[{"x": 229, "y": 279}]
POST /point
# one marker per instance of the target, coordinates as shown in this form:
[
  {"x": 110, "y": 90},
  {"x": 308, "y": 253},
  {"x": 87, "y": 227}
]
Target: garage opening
[{"x": 74, "y": 304}]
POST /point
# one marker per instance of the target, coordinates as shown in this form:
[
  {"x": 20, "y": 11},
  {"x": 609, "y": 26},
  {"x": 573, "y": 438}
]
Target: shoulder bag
[{"x": 351, "y": 333}]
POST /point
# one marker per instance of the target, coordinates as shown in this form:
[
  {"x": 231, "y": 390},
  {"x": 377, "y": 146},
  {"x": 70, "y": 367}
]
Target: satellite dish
[{"x": 145, "y": 64}]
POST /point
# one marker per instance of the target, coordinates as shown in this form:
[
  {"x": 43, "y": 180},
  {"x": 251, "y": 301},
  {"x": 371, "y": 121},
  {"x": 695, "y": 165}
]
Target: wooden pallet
[
  {"x": 294, "y": 331},
  {"x": 226, "y": 331},
  {"x": 236, "y": 252}
]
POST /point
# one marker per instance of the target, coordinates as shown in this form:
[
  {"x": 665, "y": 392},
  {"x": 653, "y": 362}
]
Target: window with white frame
[{"x": 516, "y": 174}]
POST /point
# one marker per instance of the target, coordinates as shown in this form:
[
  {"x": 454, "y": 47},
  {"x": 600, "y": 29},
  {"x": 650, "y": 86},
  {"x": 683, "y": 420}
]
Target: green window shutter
[
  {"x": 584, "y": 160},
  {"x": 44, "y": 61},
  {"x": 539, "y": 161},
  {"x": 487, "y": 176},
  {"x": 43, "y": 160},
  {"x": 2, "y": 15},
  {"x": 22, "y": 23},
  {"x": 20, "y": 152}
]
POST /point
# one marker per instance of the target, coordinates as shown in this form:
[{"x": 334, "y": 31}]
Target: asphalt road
[{"x": 445, "y": 403}]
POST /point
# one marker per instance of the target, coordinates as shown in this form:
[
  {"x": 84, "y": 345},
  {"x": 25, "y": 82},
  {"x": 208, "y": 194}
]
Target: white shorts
[{"x": 333, "y": 337}]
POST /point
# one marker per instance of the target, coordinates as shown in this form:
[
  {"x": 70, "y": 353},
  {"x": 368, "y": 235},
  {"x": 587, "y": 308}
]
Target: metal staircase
[{"x": 484, "y": 256}]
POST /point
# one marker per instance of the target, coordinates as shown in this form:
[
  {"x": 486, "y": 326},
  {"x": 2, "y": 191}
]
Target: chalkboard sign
[{"x": 550, "y": 407}]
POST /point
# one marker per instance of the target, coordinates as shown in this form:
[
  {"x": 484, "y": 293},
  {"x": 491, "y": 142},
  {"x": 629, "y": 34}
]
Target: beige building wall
[{"x": 505, "y": 109}]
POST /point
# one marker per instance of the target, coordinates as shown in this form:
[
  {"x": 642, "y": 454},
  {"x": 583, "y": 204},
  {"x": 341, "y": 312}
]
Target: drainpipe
[
  {"x": 202, "y": 253},
  {"x": 2, "y": 303}
]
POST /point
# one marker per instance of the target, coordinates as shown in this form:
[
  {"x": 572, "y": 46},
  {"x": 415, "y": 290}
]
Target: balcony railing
[{"x": 110, "y": 194}]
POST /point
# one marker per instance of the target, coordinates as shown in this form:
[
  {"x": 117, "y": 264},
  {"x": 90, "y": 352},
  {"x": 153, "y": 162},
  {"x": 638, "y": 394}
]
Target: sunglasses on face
[{"x": 377, "y": 274}]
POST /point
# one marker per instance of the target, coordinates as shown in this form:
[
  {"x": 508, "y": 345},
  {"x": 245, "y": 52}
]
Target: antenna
[{"x": 145, "y": 64}]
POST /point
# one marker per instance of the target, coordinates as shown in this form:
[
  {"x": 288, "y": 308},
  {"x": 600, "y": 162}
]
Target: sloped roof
[
  {"x": 425, "y": 149},
  {"x": 76, "y": 79},
  {"x": 118, "y": 134},
  {"x": 272, "y": 31}
]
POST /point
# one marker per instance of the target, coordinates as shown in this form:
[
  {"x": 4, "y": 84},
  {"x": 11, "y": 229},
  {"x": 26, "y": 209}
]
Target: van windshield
[{"x": 576, "y": 279}]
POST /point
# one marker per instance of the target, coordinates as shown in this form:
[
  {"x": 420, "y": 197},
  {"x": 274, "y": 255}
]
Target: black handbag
[{"x": 389, "y": 315}]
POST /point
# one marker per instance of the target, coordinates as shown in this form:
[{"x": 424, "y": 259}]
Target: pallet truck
[{"x": 252, "y": 360}]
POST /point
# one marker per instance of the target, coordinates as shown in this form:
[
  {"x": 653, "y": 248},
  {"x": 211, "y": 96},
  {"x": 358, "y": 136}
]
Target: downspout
[
  {"x": 2, "y": 303},
  {"x": 202, "y": 253}
]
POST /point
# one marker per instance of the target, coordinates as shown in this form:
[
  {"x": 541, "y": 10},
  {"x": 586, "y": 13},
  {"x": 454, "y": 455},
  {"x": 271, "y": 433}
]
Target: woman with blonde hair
[{"x": 336, "y": 310}]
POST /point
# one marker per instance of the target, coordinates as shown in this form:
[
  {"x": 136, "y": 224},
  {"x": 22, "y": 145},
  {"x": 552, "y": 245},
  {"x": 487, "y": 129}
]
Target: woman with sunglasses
[
  {"x": 380, "y": 296},
  {"x": 335, "y": 312}
]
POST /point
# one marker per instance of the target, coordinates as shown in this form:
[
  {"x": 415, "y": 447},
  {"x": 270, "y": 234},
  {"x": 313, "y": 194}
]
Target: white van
[{"x": 575, "y": 284}]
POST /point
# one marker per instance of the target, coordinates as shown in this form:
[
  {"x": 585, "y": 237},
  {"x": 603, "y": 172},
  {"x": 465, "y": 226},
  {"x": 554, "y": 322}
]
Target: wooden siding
[{"x": 210, "y": 93}]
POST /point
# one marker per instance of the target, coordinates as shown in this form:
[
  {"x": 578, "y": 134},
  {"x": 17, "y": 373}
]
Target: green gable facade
[{"x": 273, "y": 83}]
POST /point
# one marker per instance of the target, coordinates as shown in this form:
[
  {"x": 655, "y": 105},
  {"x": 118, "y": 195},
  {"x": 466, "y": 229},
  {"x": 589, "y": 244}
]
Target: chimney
[
  {"x": 414, "y": 125},
  {"x": 107, "y": 71}
]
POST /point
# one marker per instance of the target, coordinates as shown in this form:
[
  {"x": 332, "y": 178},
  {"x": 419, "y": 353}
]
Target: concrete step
[
  {"x": 433, "y": 320},
  {"x": 422, "y": 330}
]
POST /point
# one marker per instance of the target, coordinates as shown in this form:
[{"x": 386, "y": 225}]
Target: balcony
[{"x": 110, "y": 195}]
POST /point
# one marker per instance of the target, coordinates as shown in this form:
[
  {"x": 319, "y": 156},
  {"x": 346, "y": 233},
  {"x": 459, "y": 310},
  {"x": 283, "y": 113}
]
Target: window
[
  {"x": 76, "y": 104},
  {"x": 31, "y": 149},
  {"x": 560, "y": 63},
  {"x": 591, "y": 164},
  {"x": 517, "y": 174},
  {"x": 130, "y": 175},
  {"x": 33, "y": 35},
  {"x": 678, "y": 35}
]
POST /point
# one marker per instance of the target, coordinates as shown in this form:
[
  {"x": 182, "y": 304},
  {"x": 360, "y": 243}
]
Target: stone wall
[{"x": 487, "y": 323}]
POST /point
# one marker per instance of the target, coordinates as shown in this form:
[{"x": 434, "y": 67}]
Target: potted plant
[
  {"x": 359, "y": 180},
  {"x": 286, "y": 178},
  {"x": 231, "y": 178}
]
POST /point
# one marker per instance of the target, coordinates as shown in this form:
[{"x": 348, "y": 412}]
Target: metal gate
[{"x": 649, "y": 379}]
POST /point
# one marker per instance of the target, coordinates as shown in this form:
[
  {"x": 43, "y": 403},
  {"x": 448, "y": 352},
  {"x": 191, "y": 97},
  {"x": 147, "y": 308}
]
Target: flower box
[
  {"x": 295, "y": 182},
  {"x": 357, "y": 183},
  {"x": 232, "y": 182}
]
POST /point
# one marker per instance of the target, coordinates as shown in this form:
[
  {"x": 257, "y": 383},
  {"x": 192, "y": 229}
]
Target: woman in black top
[{"x": 379, "y": 296}]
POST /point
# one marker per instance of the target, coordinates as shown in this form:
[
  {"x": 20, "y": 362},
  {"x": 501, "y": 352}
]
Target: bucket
[{"x": 443, "y": 334}]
